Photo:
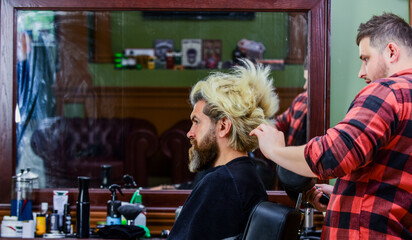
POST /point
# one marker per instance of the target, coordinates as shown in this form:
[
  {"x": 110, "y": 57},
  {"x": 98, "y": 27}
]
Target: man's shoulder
[
  {"x": 241, "y": 164},
  {"x": 384, "y": 86},
  {"x": 403, "y": 78},
  {"x": 235, "y": 172},
  {"x": 238, "y": 167},
  {"x": 219, "y": 174},
  {"x": 245, "y": 175}
]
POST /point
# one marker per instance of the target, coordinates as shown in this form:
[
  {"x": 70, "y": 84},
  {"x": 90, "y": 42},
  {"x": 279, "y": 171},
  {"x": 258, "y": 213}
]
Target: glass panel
[{"x": 106, "y": 88}]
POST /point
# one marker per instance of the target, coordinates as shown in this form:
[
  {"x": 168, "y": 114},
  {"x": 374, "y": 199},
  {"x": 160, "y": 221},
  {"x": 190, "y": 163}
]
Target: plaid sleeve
[
  {"x": 292, "y": 122},
  {"x": 283, "y": 120},
  {"x": 354, "y": 142}
]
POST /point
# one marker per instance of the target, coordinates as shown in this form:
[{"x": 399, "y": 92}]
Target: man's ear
[
  {"x": 392, "y": 52},
  {"x": 223, "y": 127}
]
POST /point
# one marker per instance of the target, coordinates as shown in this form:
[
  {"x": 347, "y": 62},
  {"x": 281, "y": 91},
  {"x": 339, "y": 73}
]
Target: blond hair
[{"x": 245, "y": 96}]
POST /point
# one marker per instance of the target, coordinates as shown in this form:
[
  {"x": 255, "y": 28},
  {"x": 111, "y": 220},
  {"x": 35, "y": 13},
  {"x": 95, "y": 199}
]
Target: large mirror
[{"x": 88, "y": 88}]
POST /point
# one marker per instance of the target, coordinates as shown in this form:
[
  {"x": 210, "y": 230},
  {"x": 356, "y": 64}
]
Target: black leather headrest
[
  {"x": 294, "y": 183},
  {"x": 270, "y": 220}
]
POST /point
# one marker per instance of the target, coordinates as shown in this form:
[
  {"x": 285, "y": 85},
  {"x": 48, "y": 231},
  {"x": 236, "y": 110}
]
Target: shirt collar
[{"x": 403, "y": 72}]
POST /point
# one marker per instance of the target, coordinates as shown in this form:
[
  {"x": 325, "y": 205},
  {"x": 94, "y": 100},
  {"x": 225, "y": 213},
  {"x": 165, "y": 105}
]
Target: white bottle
[
  {"x": 141, "y": 218},
  {"x": 11, "y": 227}
]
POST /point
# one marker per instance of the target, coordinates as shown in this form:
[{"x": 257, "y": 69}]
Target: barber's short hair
[
  {"x": 245, "y": 96},
  {"x": 386, "y": 28}
]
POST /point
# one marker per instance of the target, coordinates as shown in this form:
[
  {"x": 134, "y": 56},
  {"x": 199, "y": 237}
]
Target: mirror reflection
[{"x": 105, "y": 94}]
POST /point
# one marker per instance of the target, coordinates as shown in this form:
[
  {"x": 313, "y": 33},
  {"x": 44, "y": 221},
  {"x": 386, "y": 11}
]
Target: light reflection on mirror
[{"x": 106, "y": 88}]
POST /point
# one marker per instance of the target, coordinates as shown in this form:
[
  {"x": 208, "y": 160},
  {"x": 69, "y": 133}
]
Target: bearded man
[{"x": 226, "y": 107}]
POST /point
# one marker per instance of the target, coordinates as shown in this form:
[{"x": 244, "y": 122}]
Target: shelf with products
[{"x": 104, "y": 74}]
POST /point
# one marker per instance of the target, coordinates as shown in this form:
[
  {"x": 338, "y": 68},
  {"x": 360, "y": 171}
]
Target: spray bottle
[{"x": 113, "y": 215}]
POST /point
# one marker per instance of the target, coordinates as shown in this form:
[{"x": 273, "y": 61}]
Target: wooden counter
[{"x": 161, "y": 205}]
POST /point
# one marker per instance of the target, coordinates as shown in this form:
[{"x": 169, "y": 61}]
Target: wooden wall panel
[
  {"x": 72, "y": 35},
  {"x": 102, "y": 44}
]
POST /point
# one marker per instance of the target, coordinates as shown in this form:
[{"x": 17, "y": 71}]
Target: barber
[{"x": 370, "y": 150}]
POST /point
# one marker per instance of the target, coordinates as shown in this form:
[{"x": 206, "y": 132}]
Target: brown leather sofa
[{"x": 72, "y": 147}]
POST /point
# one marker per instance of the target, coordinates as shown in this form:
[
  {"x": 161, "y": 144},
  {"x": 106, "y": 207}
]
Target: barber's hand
[
  {"x": 313, "y": 196},
  {"x": 269, "y": 138}
]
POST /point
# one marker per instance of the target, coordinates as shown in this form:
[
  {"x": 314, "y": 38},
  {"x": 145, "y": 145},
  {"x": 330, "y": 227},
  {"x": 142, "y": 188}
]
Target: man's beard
[
  {"x": 203, "y": 156},
  {"x": 381, "y": 71}
]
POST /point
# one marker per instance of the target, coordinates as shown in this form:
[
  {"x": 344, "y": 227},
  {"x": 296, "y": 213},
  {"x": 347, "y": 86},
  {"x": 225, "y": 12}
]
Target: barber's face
[
  {"x": 202, "y": 135},
  {"x": 373, "y": 62}
]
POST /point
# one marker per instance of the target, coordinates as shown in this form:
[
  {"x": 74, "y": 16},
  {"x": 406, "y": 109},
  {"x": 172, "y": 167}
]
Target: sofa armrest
[{"x": 141, "y": 144}]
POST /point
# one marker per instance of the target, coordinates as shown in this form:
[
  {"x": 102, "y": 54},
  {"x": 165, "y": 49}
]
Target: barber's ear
[
  {"x": 392, "y": 52},
  {"x": 224, "y": 125}
]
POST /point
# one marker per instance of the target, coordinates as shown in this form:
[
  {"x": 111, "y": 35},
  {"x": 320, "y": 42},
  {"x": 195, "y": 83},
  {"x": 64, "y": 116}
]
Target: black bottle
[
  {"x": 83, "y": 209},
  {"x": 67, "y": 219},
  {"x": 106, "y": 176}
]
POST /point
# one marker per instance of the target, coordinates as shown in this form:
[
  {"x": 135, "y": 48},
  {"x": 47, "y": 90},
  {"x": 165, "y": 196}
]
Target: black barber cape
[{"x": 219, "y": 205}]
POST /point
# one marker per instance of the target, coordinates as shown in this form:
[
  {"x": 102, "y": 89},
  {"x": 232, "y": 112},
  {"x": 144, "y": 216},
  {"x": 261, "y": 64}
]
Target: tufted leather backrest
[{"x": 79, "y": 146}]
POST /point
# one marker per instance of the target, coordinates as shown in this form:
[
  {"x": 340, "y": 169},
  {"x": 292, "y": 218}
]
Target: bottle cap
[
  {"x": 10, "y": 218},
  {"x": 44, "y": 207},
  {"x": 30, "y": 175}
]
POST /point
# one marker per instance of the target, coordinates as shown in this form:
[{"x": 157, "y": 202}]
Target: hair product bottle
[
  {"x": 67, "y": 220},
  {"x": 83, "y": 209}
]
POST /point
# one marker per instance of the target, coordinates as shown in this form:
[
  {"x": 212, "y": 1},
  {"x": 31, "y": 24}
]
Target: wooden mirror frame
[
  {"x": 318, "y": 49},
  {"x": 410, "y": 12}
]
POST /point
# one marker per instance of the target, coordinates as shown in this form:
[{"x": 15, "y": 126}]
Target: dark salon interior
[{"x": 96, "y": 112}]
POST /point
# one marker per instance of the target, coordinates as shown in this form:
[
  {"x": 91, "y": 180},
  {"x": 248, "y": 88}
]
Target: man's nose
[
  {"x": 190, "y": 134},
  {"x": 362, "y": 72}
]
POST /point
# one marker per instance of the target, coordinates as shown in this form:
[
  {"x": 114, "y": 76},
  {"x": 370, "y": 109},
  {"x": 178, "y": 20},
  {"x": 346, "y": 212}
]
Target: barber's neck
[
  {"x": 399, "y": 68},
  {"x": 402, "y": 63}
]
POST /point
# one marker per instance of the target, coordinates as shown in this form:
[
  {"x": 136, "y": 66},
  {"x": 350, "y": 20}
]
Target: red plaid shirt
[
  {"x": 370, "y": 152},
  {"x": 292, "y": 122}
]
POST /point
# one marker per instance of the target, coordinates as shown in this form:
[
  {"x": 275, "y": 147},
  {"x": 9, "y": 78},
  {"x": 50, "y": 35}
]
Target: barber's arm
[{"x": 272, "y": 145}]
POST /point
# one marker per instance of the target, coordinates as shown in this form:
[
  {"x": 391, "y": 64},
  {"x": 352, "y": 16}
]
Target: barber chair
[
  {"x": 272, "y": 221},
  {"x": 295, "y": 185}
]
